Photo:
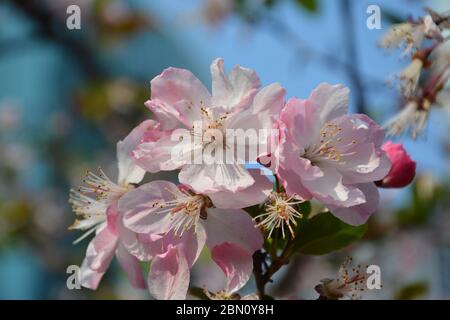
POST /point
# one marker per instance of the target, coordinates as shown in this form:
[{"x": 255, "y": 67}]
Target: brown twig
[
  {"x": 261, "y": 277},
  {"x": 352, "y": 55}
]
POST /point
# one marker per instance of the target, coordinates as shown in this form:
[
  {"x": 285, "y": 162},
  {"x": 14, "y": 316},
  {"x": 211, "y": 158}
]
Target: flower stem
[{"x": 262, "y": 278}]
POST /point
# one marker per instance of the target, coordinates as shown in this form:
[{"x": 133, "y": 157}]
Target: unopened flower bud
[{"x": 403, "y": 169}]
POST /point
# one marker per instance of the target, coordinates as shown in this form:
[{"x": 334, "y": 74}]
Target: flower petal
[
  {"x": 212, "y": 178},
  {"x": 183, "y": 92},
  {"x": 255, "y": 194},
  {"x": 131, "y": 266},
  {"x": 190, "y": 244},
  {"x": 269, "y": 100},
  {"x": 364, "y": 164},
  {"x": 299, "y": 122},
  {"x": 169, "y": 274},
  {"x": 143, "y": 246},
  {"x": 167, "y": 154},
  {"x": 330, "y": 189},
  {"x": 167, "y": 115},
  {"x": 292, "y": 183},
  {"x": 233, "y": 226},
  {"x": 129, "y": 172},
  {"x": 89, "y": 278},
  {"x": 100, "y": 250},
  {"x": 139, "y": 209},
  {"x": 359, "y": 214},
  {"x": 235, "y": 90},
  {"x": 235, "y": 262},
  {"x": 330, "y": 100}
]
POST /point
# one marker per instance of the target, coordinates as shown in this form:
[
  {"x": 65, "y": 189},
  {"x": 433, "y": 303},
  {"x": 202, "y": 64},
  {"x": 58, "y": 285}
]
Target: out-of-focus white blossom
[
  {"x": 411, "y": 34},
  {"x": 412, "y": 118},
  {"x": 349, "y": 283},
  {"x": 409, "y": 77},
  {"x": 215, "y": 11},
  {"x": 441, "y": 63}
]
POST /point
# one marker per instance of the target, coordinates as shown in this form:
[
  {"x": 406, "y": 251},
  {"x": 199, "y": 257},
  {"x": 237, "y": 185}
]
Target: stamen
[
  {"x": 185, "y": 210},
  {"x": 279, "y": 211},
  {"x": 91, "y": 200},
  {"x": 329, "y": 146}
]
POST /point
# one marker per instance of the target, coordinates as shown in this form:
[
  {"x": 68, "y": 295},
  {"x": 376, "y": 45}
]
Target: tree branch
[{"x": 352, "y": 56}]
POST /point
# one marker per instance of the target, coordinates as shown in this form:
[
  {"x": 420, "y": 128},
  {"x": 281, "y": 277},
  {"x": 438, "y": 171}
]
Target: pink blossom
[
  {"x": 95, "y": 204},
  {"x": 179, "y": 101},
  {"x": 329, "y": 155},
  {"x": 403, "y": 168},
  {"x": 185, "y": 221}
]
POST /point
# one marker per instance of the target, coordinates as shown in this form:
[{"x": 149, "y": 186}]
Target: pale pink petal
[
  {"x": 234, "y": 226},
  {"x": 290, "y": 159},
  {"x": 375, "y": 133},
  {"x": 255, "y": 194},
  {"x": 169, "y": 274},
  {"x": 191, "y": 243},
  {"x": 129, "y": 172},
  {"x": 166, "y": 114},
  {"x": 216, "y": 177},
  {"x": 269, "y": 100},
  {"x": 234, "y": 90},
  {"x": 112, "y": 218},
  {"x": 236, "y": 263},
  {"x": 364, "y": 164},
  {"x": 89, "y": 278},
  {"x": 131, "y": 266},
  {"x": 329, "y": 189},
  {"x": 299, "y": 122},
  {"x": 330, "y": 100},
  {"x": 167, "y": 154},
  {"x": 181, "y": 90},
  {"x": 143, "y": 246},
  {"x": 140, "y": 209},
  {"x": 292, "y": 183},
  {"x": 100, "y": 250},
  {"x": 359, "y": 214},
  {"x": 248, "y": 136}
]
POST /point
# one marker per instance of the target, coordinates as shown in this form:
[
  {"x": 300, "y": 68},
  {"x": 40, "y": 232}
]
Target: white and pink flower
[
  {"x": 180, "y": 101},
  {"x": 182, "y": 222},
  {"x": 95, "y": 204},
  {"x": 331, "y": 156}
]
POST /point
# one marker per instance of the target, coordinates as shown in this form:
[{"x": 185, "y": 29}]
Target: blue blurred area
[{"x": 22, "y": 276}]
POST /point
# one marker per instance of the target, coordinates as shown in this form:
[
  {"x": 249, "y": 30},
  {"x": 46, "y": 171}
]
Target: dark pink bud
[{"x": 403, "y": 168}]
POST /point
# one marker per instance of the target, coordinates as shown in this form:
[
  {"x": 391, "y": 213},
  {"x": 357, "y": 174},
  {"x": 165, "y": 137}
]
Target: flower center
[
  {"x": 329, "y": 146},
  {"x": 91, "y": 200},
  {"x": 211, "y": 128},
  {"x": 185, "y": 209},
  {"x": 280, "y": 210}
]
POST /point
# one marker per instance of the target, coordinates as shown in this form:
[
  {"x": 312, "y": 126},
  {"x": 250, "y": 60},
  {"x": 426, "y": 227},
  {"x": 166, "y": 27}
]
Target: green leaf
[
  {"x": 309, "y": 5},
  {"x": 325, "y": 233},
  {"x": 305, "y": 209},
  {"x": 412, "y": 291}
]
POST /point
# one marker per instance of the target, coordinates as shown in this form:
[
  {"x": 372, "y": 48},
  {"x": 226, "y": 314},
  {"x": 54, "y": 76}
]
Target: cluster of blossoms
[
  {"x": 423, "y": 81},
  {"x": 313, "y": 148}
]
